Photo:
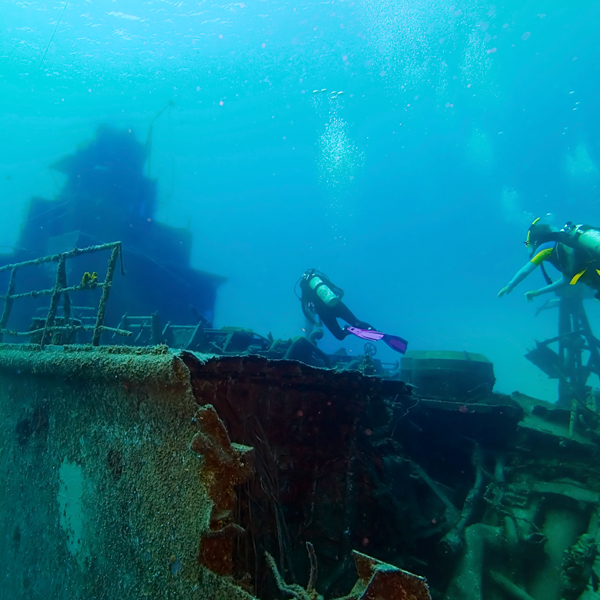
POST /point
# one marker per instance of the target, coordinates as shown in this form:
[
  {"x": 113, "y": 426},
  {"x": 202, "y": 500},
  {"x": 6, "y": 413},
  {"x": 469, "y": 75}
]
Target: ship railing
[{"x": 43, "y": 335}]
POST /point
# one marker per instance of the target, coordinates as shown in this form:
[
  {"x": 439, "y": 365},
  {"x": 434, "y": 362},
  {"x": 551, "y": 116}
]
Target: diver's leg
[
  {"x": 331, "y": 323},
  {"x": 343, "y": 312},
  {"x": 308, "y": 326}
]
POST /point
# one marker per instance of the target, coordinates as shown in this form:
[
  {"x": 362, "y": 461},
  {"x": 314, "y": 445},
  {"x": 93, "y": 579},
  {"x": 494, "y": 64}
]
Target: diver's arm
[
  {"x": 309, "y": 325},
  {"x": 560, "y": 283},
  {"x": 521, "y": 274},
  {"x": 308, "y": 314}
]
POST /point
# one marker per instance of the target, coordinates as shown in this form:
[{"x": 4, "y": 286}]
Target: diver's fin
[
  {"x": 396, "y": 343},
  {"x": 393, "y": 341}
]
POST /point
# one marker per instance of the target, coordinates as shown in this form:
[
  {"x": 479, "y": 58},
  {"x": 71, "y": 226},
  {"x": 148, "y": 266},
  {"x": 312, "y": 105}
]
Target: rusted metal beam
[
  {"x": 62, "y": 289},
  {"x": 9, "y": 298},
  {"x": 112, "y": 263}
]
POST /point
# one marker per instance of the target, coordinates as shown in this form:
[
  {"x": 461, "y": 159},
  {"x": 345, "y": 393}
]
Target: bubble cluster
[
  {"x": 580, "y": 165},
  {"x": 512, "y": 207},
  {"x": 427, "y": 40},
  {"x": 339, "y": 158}
]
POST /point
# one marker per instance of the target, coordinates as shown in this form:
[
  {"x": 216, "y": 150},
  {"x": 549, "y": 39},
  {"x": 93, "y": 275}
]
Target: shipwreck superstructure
[
  {"x": 146, "y": 455},
  {"x": 108, "y": 197}
]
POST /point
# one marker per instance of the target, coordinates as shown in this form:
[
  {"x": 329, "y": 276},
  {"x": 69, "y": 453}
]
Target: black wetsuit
[{"x": 312, "y": 303}]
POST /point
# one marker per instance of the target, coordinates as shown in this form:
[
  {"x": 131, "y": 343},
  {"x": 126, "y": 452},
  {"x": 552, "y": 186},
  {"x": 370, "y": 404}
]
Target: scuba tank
[
  {"x": 585, "y": 240},
  {"x": 584, "y": 237},
  {"x": 325, "y": 293}
]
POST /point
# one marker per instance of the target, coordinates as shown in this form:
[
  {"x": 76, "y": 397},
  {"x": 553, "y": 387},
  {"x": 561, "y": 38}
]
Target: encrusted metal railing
[{"x": 61, "y": 288}]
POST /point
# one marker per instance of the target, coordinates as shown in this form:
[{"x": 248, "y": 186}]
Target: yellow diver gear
[
  {"x": 579, "y": 275},
  {"x": 528, "y": 240},
  {"x": 541, "y": 256},
  {"x": 329, "y": 297}
]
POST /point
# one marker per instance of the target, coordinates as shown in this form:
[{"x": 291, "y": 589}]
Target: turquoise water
[{"x": 459, "y": 123}]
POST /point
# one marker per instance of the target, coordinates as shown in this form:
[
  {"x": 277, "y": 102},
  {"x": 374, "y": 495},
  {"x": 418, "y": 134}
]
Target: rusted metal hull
[
  {"x": 150, "y": 473},
  {"x": 103, "y": 497},
  {"x": 120, "y": 476}
]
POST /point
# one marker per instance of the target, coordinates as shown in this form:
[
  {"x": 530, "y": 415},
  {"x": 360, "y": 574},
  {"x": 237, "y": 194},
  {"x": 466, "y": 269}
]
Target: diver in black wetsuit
[
  {"x": 321, "y": 298},
  {"x": 574, "y": 251}
]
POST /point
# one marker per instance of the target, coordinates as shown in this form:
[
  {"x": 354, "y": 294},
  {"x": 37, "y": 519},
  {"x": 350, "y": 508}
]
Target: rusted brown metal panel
[
  {"x": 311, "y": 430},
  {"x": 102, "y": 495},
  {"x": 147, "y": 473}
]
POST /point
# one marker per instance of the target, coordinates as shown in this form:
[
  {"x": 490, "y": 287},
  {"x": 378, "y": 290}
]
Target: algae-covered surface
[{"x": 103, "y": 497}]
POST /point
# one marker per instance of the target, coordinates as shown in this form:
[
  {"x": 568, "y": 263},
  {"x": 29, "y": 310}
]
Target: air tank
[
  {"x": 323, "y": 291},
  {"x": 586, "y": 237}
]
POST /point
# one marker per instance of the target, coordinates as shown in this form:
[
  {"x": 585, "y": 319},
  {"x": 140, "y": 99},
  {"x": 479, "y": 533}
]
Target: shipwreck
[{"x": 146, "y": 454}]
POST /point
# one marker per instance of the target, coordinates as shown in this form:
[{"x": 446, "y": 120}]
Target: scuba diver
[
  {"x": 322, "y": 299},
  {"x": 574, "y": 251}
]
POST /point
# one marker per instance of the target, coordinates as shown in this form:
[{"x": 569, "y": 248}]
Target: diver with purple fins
[
  {"x": 322, "y": 299},
  {"x": 573, "y": 250}
]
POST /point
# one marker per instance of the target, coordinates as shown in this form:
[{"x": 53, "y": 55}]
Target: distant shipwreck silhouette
[{"x": 107, "y": 197}]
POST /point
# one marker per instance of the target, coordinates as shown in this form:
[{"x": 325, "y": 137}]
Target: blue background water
[{"x": 459, "y": 123}]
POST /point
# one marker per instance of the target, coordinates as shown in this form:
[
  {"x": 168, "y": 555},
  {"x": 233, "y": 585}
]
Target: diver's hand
[
  {"x": 531, "y": 295},
  {"x": 505, "y": 290}
]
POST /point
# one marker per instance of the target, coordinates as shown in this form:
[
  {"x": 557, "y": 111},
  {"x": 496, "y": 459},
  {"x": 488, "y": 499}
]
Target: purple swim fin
[
  {"x": 396, "y": 343},
  {"x": 393, "y": 341}
]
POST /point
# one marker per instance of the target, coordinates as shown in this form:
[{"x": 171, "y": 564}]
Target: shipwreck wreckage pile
[{"x": 221, "y": 469}]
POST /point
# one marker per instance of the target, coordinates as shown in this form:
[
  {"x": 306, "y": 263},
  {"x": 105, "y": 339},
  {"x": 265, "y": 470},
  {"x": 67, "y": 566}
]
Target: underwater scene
[{"x": 299, "y": 300}]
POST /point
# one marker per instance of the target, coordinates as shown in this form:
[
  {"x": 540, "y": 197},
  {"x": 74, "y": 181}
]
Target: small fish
[
  {"x": 315, "y": 91},
  {"x": 333, "y": 93},
  {"x": 323, "y": 90},
  {"x": 340, "y": 93}
]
